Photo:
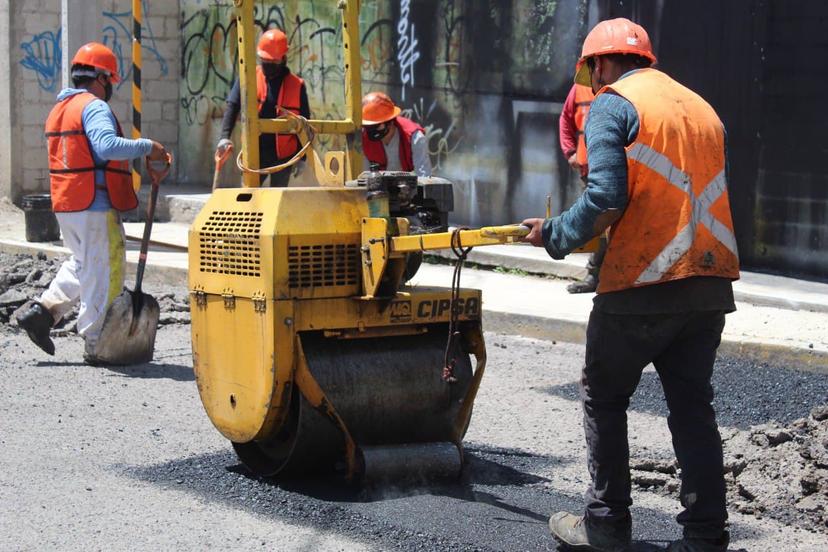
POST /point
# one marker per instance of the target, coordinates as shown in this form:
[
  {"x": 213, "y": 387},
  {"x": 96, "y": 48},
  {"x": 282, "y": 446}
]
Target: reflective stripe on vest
[
  {"x": 72, "y": 167},
  {"x": 677, "y": 223},
  {"x": 583, "y": 100},
  {"x": 374, "y": 150},
  {"x": 290, "y": 98}
]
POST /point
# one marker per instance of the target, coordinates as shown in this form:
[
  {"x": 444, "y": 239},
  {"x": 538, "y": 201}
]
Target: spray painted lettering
[{"x": 407, "y": 53}]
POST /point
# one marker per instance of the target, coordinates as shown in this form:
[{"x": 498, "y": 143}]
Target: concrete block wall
[{"x": 34, "y": 58}]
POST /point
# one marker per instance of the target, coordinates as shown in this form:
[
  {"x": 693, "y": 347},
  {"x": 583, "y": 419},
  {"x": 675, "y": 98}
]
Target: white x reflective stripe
[{"x": 701, "y": 214}]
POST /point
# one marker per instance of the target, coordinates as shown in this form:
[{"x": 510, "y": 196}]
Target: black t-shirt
[{"x": 698, "y": 293}]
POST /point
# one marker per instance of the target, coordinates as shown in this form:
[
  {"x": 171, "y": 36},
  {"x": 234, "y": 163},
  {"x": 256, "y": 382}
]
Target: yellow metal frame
[{"x": 253, "y": 127}]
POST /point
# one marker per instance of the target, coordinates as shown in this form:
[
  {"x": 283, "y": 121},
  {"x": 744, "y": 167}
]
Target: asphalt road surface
[{"x": 126, "y": 459}]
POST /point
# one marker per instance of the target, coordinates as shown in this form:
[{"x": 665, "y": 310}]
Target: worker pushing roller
[{"x": 657, "y": 178}]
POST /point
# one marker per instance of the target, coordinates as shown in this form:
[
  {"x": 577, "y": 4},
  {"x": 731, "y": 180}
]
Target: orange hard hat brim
[
  {"x": 268, "y": 57},
  {"x": 394, "y": 114}
]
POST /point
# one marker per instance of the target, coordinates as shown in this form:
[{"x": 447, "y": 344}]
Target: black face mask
[
  {"x": 107, "y": 92},
  {"x": 377, "y": 133},
  {"x": 273, "y": 70}
]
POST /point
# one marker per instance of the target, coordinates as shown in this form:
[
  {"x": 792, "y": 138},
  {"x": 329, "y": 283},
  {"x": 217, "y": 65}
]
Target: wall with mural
[
  {"x": 485, "y": 78},
  {"x": 36, "y": 64}
]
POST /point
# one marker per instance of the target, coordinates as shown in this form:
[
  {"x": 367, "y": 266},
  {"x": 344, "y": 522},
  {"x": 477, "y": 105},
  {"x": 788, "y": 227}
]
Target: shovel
[
  {"x": 129, "y": 327},
  {"x": 220, "y": 159}
]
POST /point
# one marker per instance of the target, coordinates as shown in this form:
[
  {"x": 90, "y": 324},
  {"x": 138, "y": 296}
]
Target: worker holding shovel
[{"x": 90, "y": 185}]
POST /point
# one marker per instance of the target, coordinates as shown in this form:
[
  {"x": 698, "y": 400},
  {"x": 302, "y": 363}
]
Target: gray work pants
[{"x": 682, "y": 347}]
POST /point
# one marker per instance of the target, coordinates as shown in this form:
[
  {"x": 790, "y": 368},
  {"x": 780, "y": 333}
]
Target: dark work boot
[
  {"x": 587, "y": 285},
  {"x": 690, "y": 544},
  {"x": 37, "y": 321},
  {"x": 577, "y": 533}
]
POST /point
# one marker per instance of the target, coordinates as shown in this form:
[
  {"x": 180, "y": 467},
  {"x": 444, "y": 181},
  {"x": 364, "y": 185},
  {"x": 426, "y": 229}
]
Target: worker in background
[
  {"x": 657, "y": 178},
  {"x": 391, "y": 141},
  {"x": 90, "y": 184},
  {"x": 276, "y": 87},
  {"x": 571, "y": 134}
]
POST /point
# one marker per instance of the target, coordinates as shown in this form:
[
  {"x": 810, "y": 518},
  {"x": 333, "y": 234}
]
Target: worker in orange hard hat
[
  {"x": 391, "y": 141},
  {"x": 276, "y": 87},
  {"x": 90, "y": 185},
  {"x": 657, "y": 178}
]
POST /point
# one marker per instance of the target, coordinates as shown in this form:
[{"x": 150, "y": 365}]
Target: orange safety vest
[
  {"x": 72, "y": 167},
  {"x": 289, "y": 98},
  {"x": 583, "y": 99},
  {"x": 677, "y": 223}
]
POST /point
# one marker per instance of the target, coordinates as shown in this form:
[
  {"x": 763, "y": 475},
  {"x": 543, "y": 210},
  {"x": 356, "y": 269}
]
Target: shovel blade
[{"x": 129, "y": 327}]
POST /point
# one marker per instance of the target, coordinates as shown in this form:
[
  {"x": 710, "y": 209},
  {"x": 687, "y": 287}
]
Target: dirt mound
[
  {"x": 24, "y": 277},
  {"x": 771, "y": 470}
]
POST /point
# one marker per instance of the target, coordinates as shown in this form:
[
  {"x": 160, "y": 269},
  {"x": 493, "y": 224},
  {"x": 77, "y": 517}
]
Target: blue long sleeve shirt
[
  {"x": 101, "y": 129},
  {"x": 612, "y": 124}
]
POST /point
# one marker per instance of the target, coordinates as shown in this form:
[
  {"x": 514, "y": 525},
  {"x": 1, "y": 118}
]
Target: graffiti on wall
[
  {"x": 407, "y": 47},
  {"x": 43, "y": 56},
  {"x": 118, "y": 36},
  {"x": 486, "y": 91}
]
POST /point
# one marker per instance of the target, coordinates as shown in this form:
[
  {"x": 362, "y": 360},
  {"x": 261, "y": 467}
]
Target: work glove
[{"x": 222, "y": 146}]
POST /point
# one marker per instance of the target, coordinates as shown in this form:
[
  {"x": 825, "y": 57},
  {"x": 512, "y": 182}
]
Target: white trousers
[{"x": 93, "y": 275}]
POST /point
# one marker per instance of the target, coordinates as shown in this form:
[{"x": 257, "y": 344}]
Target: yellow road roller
[{"x": 310, "y": 351}]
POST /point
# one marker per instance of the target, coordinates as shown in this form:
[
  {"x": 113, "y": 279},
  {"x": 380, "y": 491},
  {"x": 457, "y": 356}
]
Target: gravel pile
[
  {"x": 774, "y": 470},
  {"x": 24, "y": 277}
]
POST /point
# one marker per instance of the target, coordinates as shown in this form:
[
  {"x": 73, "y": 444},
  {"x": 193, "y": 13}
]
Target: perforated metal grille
[
  {"x": 323, "y": 265},
  {"x": 229, "y": 243}
]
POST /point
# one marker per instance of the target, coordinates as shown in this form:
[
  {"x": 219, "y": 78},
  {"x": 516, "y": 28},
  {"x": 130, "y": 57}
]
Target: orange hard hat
[
  {"x": 378, "y": 108},
  {"x": 100, "y": 57},
  {"x": 273, "y": 45},
  {"x": 613, "y": 36}
]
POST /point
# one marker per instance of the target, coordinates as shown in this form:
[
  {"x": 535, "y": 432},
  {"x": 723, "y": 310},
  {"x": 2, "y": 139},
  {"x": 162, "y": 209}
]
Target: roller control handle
[{"x": 506, "y": 231}]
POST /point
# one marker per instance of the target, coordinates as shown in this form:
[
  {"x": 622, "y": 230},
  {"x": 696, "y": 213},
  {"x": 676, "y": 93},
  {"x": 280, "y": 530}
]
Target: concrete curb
[
  {"x": 548, "y": 329},
  {"x": 155, "y": 274},
  {"x": 574, "y": 331},
  {"x": 489, "y": 259}
]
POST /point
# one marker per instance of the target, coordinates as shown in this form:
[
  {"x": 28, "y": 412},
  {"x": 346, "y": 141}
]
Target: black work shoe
[
  {"x": 587, "y": 285},
  {"x": 577, "y": 533},
  {"x": 37, "y": 321},
  {"x": 690, "y": 544}
]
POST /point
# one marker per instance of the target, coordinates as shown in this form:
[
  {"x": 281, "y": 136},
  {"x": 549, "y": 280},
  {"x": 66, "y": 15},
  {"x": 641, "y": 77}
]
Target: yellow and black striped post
[{"x": 137, "y": 18}]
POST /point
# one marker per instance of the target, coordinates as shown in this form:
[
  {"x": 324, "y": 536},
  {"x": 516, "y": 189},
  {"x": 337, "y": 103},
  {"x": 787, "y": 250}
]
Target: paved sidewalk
[{"x": 780, "y": 320}]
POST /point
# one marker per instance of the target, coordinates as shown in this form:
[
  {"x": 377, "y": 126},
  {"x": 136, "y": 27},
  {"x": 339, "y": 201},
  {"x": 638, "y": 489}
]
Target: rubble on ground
[
  {"x": 771, "y": 470},
  {"x": 24, "y": 277}
]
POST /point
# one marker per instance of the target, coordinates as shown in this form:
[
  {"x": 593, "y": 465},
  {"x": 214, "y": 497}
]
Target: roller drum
[{"x": 389, "y": 391}]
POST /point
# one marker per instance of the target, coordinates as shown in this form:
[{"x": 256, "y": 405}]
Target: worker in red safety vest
[
  {"x": 391, "y": 141},
  {"x": 571, "y": 125},
  {"x": 658, "y": 179},
  {"x": 90, "y": 185},
  {"x": 276, "y": 87}
]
